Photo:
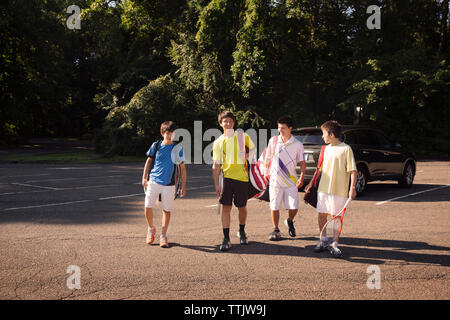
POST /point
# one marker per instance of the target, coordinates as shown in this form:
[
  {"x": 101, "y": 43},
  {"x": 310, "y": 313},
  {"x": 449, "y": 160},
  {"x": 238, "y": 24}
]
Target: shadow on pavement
[{"x": 358, "y": 250}]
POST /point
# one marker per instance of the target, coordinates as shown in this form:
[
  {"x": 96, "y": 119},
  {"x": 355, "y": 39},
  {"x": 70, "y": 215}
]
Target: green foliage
[{"x": 136, "y": 63}]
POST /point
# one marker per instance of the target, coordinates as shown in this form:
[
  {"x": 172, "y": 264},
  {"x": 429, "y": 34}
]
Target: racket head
[
  {"x": 333, "y": 228},
  {"x": 177, "y": 181}
]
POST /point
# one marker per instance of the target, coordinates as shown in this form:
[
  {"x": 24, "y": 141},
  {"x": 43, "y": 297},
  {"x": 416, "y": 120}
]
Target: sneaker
[
  {"x": 226, "y": 245},
  {"x": 290, "y": 225},
  {"x": 163, "y": 241},
  {"x": 320, "y": 246},
  {"x": 275, "y": 235},
  {"x": 242, "y": 237},
  {"x": 151, "y": 235},
  {"x": 334, "y": 250}
]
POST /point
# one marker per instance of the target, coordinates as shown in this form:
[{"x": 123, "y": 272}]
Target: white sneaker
[
  {"x": 163, "y": 241},
  {"x": 334, "y": 250},
  {"x": 151, "y": 235}
]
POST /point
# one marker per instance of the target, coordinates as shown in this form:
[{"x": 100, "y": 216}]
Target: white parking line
[
  {"x": 34, "y": 186},
  {"x": 99, "y": 199},
  {"x": 411, "y": 194},
  {"x": 47, "y": 205},
  {"x": 67, "y": 179}
]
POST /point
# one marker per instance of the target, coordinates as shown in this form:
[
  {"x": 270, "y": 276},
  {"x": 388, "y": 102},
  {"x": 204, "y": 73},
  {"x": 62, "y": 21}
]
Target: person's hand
[
  {"x": 299, "y": 183},
  {"x": 183, "y": 192},
  {"x": 352, "y": 193},
  {"x": 218, "y": 191},
  {"x": 308, "y": 187},
  {"x": 144, "y": 183}
]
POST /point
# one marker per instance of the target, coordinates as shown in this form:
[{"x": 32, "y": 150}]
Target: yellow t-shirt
[
  {"x": 338, "y": 162},
  {"x": 226, "y": 151}
]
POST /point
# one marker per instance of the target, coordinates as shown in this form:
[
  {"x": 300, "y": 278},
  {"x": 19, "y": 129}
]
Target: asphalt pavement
[{"x": 78, "y": 232}]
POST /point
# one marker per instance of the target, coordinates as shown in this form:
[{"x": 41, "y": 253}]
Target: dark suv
[{"x": 376, "y": 157}]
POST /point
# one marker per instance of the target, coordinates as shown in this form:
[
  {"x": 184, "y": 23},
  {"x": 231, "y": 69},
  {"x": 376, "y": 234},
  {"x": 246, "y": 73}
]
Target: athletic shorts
[
  {"x": 153, "y": 191},
  {"x": 287, "y": 196},
  {"x": 234, "y": 191},
  {"x": 330, "y": 203}
]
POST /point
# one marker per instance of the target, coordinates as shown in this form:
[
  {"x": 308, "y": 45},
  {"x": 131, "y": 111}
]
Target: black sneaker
[
  {"x": 242, "y": 237},
  {"x": 275, "y": 235},
  {"x": 226, "y": 245},
  {"x": 290, "y": 225}
]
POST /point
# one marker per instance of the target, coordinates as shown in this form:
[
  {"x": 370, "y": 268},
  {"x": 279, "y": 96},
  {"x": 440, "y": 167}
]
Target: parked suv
[{"x": 376, "y": 157}]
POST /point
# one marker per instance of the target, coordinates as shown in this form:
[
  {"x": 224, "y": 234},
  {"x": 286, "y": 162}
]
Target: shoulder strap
[
  {"x": 322, "y": 152},
  {"x": 158, "y": 143}
]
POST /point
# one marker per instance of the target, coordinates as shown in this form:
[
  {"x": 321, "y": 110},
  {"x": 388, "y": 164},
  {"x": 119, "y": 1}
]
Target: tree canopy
[{"x": 133, "y": 64}]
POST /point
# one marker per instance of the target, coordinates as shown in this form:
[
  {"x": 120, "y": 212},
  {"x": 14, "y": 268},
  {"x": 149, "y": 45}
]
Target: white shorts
[
  {"x": 153, "y": 191},
  {"x": 330, "y": 203},
  {"x": 289, "y": 196}
]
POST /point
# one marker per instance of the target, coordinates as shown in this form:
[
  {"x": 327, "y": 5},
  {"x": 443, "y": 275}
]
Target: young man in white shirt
[{"x": 280, "y": 163}]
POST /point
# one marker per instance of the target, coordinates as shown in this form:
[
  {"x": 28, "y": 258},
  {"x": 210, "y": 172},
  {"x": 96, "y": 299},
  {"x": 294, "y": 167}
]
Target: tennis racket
[
  {"x": 333, "y": 228},
  {"x": 221, "y": 190},
  {"x": 178, "y": 181}
]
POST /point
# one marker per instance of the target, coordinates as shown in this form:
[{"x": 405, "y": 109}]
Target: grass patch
[{"x": 84, "y": 157}]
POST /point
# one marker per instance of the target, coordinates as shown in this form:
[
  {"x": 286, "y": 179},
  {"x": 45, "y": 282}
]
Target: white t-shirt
[
  {"x": 338, "y": 162},
  {"x": 284, "y": 159}
]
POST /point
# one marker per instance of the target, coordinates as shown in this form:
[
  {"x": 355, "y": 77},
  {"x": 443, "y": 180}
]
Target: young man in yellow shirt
[
  {"x": 337, "y": 169},
  {"x": 228, "y": 157}
]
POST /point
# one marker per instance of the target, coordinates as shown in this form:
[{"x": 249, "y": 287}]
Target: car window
[
  {"x": 372, "y": 138},
  {"x": 349, "y": 137},
  {"x": 309, "y": 137},
  {"x": 367, "y": 138},
  {"x": 383, "y": 141}
]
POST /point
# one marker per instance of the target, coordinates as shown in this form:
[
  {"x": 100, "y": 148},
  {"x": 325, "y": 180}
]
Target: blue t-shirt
[{"x": 166, "y": 157}]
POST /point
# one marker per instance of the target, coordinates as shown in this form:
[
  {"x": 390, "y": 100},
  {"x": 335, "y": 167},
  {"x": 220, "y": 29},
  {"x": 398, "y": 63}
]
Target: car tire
[
  {"x": 407, "y": 179},
  {"x": 361, "y": 180}
]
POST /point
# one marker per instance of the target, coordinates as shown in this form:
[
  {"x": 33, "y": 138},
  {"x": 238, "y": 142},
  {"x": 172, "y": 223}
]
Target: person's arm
[
  {"x": 145, "y": 173},
  {"x": 268, "y": 159},
  {"x": 216, "y": 172},
  {"x": 302, "y": 174},
  {"x": 352, "y": 191}
]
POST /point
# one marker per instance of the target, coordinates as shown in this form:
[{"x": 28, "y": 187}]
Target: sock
[
  {"x": 242, "y": 228},
  {"x": 226, "y": 233}
]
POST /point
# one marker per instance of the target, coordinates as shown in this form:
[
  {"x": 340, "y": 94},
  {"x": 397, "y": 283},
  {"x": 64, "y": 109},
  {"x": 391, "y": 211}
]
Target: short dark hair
[
  {"x": 169, "y": 126},
  {"x": 287, "y": 120},
  {"x": 333, "y": 127},
  {"x": 226, "y": 114}
]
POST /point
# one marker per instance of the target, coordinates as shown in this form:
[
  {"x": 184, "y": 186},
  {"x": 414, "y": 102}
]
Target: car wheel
[
  {"x": 407, "y": 178},
  {"x": 361, "y": 180}
]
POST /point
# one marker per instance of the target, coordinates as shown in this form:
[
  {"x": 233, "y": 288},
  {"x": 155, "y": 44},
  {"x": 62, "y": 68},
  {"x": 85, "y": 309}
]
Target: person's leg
[
  {"x": 149, "y": 217},
  {"x": 165, "y": 222},
  {"x": 167, "y": 198},
  {"x": 151, "y": 194},
  {"x": 242, "y": 220},
  {"x": 226, "y": 213},
  {"x": 275, "y": 218},
  {"x": 275, "y": 195}
]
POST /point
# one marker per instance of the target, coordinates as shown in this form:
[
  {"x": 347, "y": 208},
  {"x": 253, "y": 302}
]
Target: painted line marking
[
  {"x": 67, "y": 179},
  {"x": 34, "y": 186},
  {"x": 84, "y": 201},
  {"x": 47, "y": 205},
  {"x": 411, "y": 194}
]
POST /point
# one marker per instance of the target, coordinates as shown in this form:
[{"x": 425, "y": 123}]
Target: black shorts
[{"x": 234, "y": 191}]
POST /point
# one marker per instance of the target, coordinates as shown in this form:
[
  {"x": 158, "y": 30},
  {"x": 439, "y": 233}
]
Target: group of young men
[{"x": 230, "y": 154}]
